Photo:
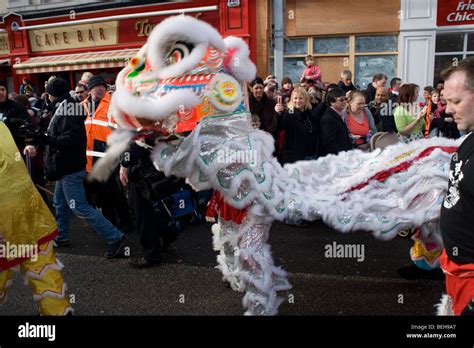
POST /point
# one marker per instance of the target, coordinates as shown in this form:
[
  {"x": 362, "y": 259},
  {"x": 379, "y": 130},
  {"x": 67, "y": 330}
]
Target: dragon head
[{"x": 185, "y": 72}]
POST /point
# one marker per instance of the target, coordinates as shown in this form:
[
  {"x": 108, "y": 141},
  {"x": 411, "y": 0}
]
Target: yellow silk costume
[{"x": 27, "y": 229}]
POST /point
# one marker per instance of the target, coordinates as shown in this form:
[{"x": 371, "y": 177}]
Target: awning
[
  {"x": 82, "y": 61},
  {"x": 5, "y": 61}
]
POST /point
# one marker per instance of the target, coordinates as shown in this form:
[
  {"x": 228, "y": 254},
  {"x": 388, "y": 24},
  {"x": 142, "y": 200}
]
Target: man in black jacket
[
  {"x": 334, "y": 133},
  {"x": 379, "y": 80},
  {"x": 457, "y": 219},
  {"x": 13, "y": 114},
  {"x": 147, "y": 187},
  {"x": 65, "y": 162}
]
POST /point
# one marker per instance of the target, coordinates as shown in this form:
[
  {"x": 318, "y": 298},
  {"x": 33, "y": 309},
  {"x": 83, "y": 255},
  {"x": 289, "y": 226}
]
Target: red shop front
[
  {"x": 102, "y": 41},
  {"x": 5, "y": 62}
]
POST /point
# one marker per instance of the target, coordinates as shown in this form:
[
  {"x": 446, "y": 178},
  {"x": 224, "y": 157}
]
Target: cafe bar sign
[
  {"x": 455, "y": 12},
  {"x": 77, "y": 36}
]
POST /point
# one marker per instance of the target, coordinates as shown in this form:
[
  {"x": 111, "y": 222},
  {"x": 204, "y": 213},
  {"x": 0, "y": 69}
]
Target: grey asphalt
[{"x": 187, "y": 282}]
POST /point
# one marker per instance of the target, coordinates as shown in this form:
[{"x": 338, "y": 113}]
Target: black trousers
[
  {"x": 111, "y": 198},
  {"x": 148, "y": 223}
]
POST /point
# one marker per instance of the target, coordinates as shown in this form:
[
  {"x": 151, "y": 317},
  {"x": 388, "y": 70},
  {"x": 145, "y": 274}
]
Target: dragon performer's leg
[
  {"x": 247, "y": 263},
  {"x": 44, "y": 277},
  {"x": 5, "y": 283},
  {"x": 261, "y": 277},
  {"x": 223, "y": 232}
]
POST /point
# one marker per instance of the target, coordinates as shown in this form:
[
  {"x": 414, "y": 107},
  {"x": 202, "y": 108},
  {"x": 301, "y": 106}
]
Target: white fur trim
[
  {"x": 118, "y": 143},
  {"x": 33, "y": 275},
  {"x": 155, "y": 109},
  {"x": 445, "y": 307},
  {"x": 52, "y": 294},
  {"x": 240, "y": 64},
  {"x": 181, "y": 28}
]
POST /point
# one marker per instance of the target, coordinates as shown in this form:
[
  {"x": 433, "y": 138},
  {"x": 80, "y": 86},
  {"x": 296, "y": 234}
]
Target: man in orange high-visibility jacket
[{"x": 98, "y": 128}]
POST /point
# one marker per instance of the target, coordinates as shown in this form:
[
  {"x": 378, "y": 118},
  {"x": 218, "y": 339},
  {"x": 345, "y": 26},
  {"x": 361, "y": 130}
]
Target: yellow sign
[
  {"x": 4, "y": 47},
  {"x": 78, "y": 36}
]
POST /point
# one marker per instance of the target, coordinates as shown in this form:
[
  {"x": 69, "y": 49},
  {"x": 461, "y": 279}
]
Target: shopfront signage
[
  {"x": 78, "y": 36},
  {"x": 4, "y": 47},
  {"x": 133, "y": 31},
  {"x": 233, "y": 3},
  {"x": 455, "y": 12}
]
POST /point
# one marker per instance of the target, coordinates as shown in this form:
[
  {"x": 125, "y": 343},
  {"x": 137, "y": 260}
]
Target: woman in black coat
[{"x": 300, "y": 128}]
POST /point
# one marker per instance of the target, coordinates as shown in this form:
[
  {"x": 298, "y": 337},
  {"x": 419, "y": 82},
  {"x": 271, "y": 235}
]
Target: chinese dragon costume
[
  {"x": 27, "y": 230},
  {"x": 186, "y": 88}
]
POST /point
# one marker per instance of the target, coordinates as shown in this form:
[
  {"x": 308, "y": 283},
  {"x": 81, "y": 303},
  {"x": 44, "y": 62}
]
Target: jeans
[{"x": 69, "y": 195}]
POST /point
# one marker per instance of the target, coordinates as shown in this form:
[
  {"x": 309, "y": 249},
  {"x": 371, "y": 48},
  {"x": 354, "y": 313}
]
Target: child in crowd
[
  {"x": 346, "y": 81},
  {"x": 255, "y": 121},
  {"x": 286, "y": 87},
  {"x": 434, "y": 99},
  {"x": 312, "y": 74}
]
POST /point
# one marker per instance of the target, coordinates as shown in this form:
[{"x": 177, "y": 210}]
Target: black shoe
[
  {"x": 62, "y": 243},
  {"x": 413, "y": 273},
  {"x": 116, "y": 248},
  {"x": 141, "y": 262}
]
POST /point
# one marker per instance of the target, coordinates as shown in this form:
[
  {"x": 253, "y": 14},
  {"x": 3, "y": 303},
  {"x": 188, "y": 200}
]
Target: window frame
[
  {"x": 464, "y": 53},
  {"x": 351, "y": 54}
]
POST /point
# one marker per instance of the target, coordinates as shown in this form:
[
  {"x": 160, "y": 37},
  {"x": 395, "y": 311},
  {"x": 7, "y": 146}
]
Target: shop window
[
  {"x": 364, "y": 55},
  {"x": 470, "y": 42},
  {"x": 292, "y": 67},
  {"x": 445, "y": 61},
  {"x": 296, "y": 46},
  {"x": 331, "y": 45},
  {"x": 449, "y": 42},
  {"x": 451, "y": 48},
  {"x": 376, "y": 43},
  {"x": 367, "y": 66}
]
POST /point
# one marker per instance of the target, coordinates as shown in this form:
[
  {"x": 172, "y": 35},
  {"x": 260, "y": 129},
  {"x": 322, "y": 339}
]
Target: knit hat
[
  {"x": 3, "y": 84},
  {"x": 57, "y": 87},
  {"x": 96, "y": 80}
]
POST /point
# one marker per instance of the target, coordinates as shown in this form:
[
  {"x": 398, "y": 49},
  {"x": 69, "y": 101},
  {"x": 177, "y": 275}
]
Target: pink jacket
[{"x": 314, "y": 74}]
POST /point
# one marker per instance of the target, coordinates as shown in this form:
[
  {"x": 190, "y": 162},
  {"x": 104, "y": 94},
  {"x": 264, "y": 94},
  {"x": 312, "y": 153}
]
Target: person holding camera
[
  {"x": 13, "y": 114},
  {"x": 65, "y": 162}
]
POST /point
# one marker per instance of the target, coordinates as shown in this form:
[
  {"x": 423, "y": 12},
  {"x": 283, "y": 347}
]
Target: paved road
[{"x": 188, "y": 284}]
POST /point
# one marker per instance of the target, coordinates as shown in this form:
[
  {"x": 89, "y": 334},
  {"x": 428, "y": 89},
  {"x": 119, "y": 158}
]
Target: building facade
[
  {"x": 433, "y": 35},
  {"x": 102, "y": 42},
  {"x": 411, "y": 39}
]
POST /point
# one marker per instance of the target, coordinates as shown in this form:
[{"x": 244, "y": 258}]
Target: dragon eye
[{"x": 177, "y": 52}]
